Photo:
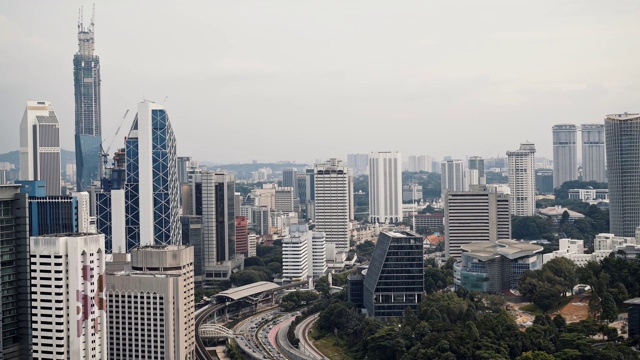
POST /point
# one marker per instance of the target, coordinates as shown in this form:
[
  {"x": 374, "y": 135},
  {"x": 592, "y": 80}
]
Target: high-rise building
[
  {"x": 593, "y": 153},
  {"x": 183, "y": 169},
  {"x": 565, "y": 153},
  {"x": 317, "y": 255},
  {"x": 284, "y": 198},
  {"x": 544, "y": 181},
  {"x": 152, "y": 191},
  {"x": 242, "y": 236},
  {"x": 88, "y": 123},
  {"x": 622, "y": 133},
  {"x": 295, "y": 256},
  {"x": 253, "y": 240},
  {"x": 331, "y": 181},
  {"x": 477, "y": 163},
  {"x": 385, "y": 187},
  {"x": 192, "y": 235},
  {"x": 261, "y": 219},
  {"x": 470, "y": 178},
  {"x": 225, "y": 217},
  {"x": 395, "y": 278},
  {"x": 522, "y": 180},
  {"x": 452, "y": 176},
  {"x": 481, "y": 214},
  {"x": 358, "y": 163},
  {"x": 151, "y": 307},
  {"x": 68, "y": 309},
  {"x": 40, "y": 145},
  {"x": 15, "y": 303},
  {"x": 289, "y": 179},
  {"x": 419, "y": 163}
]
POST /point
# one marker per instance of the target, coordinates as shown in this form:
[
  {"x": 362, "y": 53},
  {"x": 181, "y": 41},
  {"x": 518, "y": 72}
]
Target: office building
[
  {"x": 522, "y": 180},
  {"x": 40, "y": 145},
  {"x": 151, "y": 307},
  {"x": 633, "y": 318},
  {"x": 68, "y": 309},
  {"x": 573, "y": 250},
  {"x": 261, "y": 219},
  {"x": 358, "y": 163},
  {"x": 565, "y": 153},
  {"x": 16, "y": 275},
  {"x": 152, "y": 191},
  {"x": 192, "y": 235},
  {"x": 622, "y": 133},
  {"x": 470, "y": 178},
  {"x": 253, "y": 243},
  {"x": 544, "y": 181},
  {"x": 331, "y": 182},
  {"x": 284, "y": 199},
  {"x": 412, "y": 192},
  {"x": 242, "y": 236},
  {"x": 593, "y": 153},
  {"x": 225, "y": 218},
  {"x": 495, "y": 267},
  {"x": 88, "y": 122},
  {"x": 289, "y": 179},
  {"x": 295, "y": 256},
  {"x": 481, "y": 214},
  {"x": 184, "y": 162},
  {"x": 385, "y": 187},
  {"x": 395, "y": 278},
  {"x": 317, "y": 255},
  {"x": 452, "y": 176},
  {"x": 477, "y": 163}
]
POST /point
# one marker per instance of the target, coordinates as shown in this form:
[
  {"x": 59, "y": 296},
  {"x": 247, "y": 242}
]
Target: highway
[
  {"x": 201, "y": 315},
  {"x": 302, "y": 333}
]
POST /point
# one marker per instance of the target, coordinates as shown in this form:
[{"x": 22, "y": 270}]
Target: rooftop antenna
[
  {"x": 93, "y": 15},
  {"x": 80, "y": 19},
  {"x": 165, "y": 99}
]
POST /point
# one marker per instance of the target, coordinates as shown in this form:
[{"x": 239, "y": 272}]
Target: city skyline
[{"x": 251, "y": 85}]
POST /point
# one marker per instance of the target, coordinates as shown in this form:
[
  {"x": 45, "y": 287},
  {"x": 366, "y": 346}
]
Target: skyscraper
[
  {"x": 622, "y": 133},
  {"x": 15, "y": 303},
  {"x": 331, "y": 182},
  {"x": 593, "y": 153},
  {"x": 452, "y": 176},
  {"x": 289, "y": 180},
  {"x": 477, "y": 163},
  {"x": 358, "y": 163},
  {"x": 40, "y": 145},
  {"x": 77, "y": 296},
  {"x": 151, "y": 307},
  {"x": 225, "y": 218},
  {"x": 565, "y": 153},
  {"x": 88, "y": 129},
  {"x": 522, "y": 180},
  {"x": 385, "y": 187},
  {"x": 152, "y": 191},
  {"x": 481, "y": 214}
]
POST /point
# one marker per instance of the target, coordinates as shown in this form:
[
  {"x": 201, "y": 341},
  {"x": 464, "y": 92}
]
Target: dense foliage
[
  {"x": 464, "y": 326},
  {"x": 562, "y": 191},
  {"x": 430, "y": 182},
  {"x": 296, "y": 299},
  {"x": 546, "y": 287}
]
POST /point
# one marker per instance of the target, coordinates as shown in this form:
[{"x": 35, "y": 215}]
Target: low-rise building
[
  {"x": 495, "y": 267},
  {"x": 573, "y": 250},
  {"x": 555, "y": 213}
]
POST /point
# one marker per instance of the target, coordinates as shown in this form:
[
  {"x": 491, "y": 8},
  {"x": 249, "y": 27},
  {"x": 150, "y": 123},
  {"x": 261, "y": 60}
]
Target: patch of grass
[
  {"x": 334, "y": 349},
  {"x": 533, "y": 309}
]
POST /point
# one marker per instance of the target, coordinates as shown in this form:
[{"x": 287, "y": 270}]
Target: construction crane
[{"x": 105, "y": 153}]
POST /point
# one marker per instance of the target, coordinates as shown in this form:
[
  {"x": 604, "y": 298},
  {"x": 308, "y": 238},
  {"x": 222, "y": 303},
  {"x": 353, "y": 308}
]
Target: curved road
[
  {"x": 201, "y": 350},
  {"x": 302, "y": 333}
]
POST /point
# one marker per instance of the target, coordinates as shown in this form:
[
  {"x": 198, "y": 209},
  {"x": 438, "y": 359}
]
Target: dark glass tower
[{"x": 88, "y": 129}]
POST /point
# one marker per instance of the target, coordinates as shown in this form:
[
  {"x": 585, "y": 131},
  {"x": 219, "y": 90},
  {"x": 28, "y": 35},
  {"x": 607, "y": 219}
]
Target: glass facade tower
[{"x": 88, "y": 125}]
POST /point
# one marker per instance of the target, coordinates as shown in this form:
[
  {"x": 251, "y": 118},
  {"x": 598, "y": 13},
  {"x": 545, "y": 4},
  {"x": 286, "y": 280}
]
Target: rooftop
[
  {"x": 558, "y": 211},
  {"x": 512, "y": 249},
  {"x": 401, "y": 234},
  {"x": 248, "y": 290},
  {"x": 635, "y": 301}
]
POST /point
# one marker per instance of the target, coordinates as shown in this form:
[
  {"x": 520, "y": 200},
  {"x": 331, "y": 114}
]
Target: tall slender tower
[
  {"x": 152, "y": 191},
  {"x": 88, "y": 130},
  {"x": 40, "y": 145},
  {"x": 452, "y": 176},
  {"x": 522, "y": 180},
  {"x": 565, "y": 153},
  {"x": 593, "y": 153},
  {"x": 331, "y": 181},
  {"x": 623, "y": 160},
  {"x": 385, "y": 187}
]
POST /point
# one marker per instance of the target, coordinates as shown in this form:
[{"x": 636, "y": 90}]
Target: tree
[
  {"x": 546, "y": 297},
  {"x": 245, "y": 277},
  {"x": 365, "y": 249},
  {"x": 609, "y": 308},
  {"x": 535, "y": 355},
  {"x": 253, "y": 261}
]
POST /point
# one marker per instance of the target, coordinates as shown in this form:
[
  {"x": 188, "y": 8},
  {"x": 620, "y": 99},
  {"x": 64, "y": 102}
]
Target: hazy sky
[{"x": 303, "y": 80}]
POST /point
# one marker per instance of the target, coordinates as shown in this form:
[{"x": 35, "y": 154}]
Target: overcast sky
[{"x": 304, "y": 80}]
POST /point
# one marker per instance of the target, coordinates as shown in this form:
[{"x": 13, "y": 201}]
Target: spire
[{"x": 85, "y": 34}]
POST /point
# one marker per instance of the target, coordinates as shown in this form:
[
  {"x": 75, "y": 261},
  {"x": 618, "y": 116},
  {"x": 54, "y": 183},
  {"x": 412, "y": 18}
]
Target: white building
[
  {"x": 317, "y": 255},
  {"x": 593, "y": 153},
  {"x": 331, "y": 180},
  {"x": 452, "y": 176},
  {"x": 69, "y": 318},
  {"x": 471, "y": 177},
  {"x": 295, "y": 253},
  {"x": 565, "y": 153},
  {"x": 283, "y": 198},
  {"x": 522, "y": 180},
  {"x": 252, "y": 244},
  {"x": 385, "y": 187},
  {"x": 40, "y": 145},
  {"x": 574, "y": 250},
  {"x": 151, "y": 306},
  {"x": 481, "y": 214},
  {"x": 86, "y": 222}
]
